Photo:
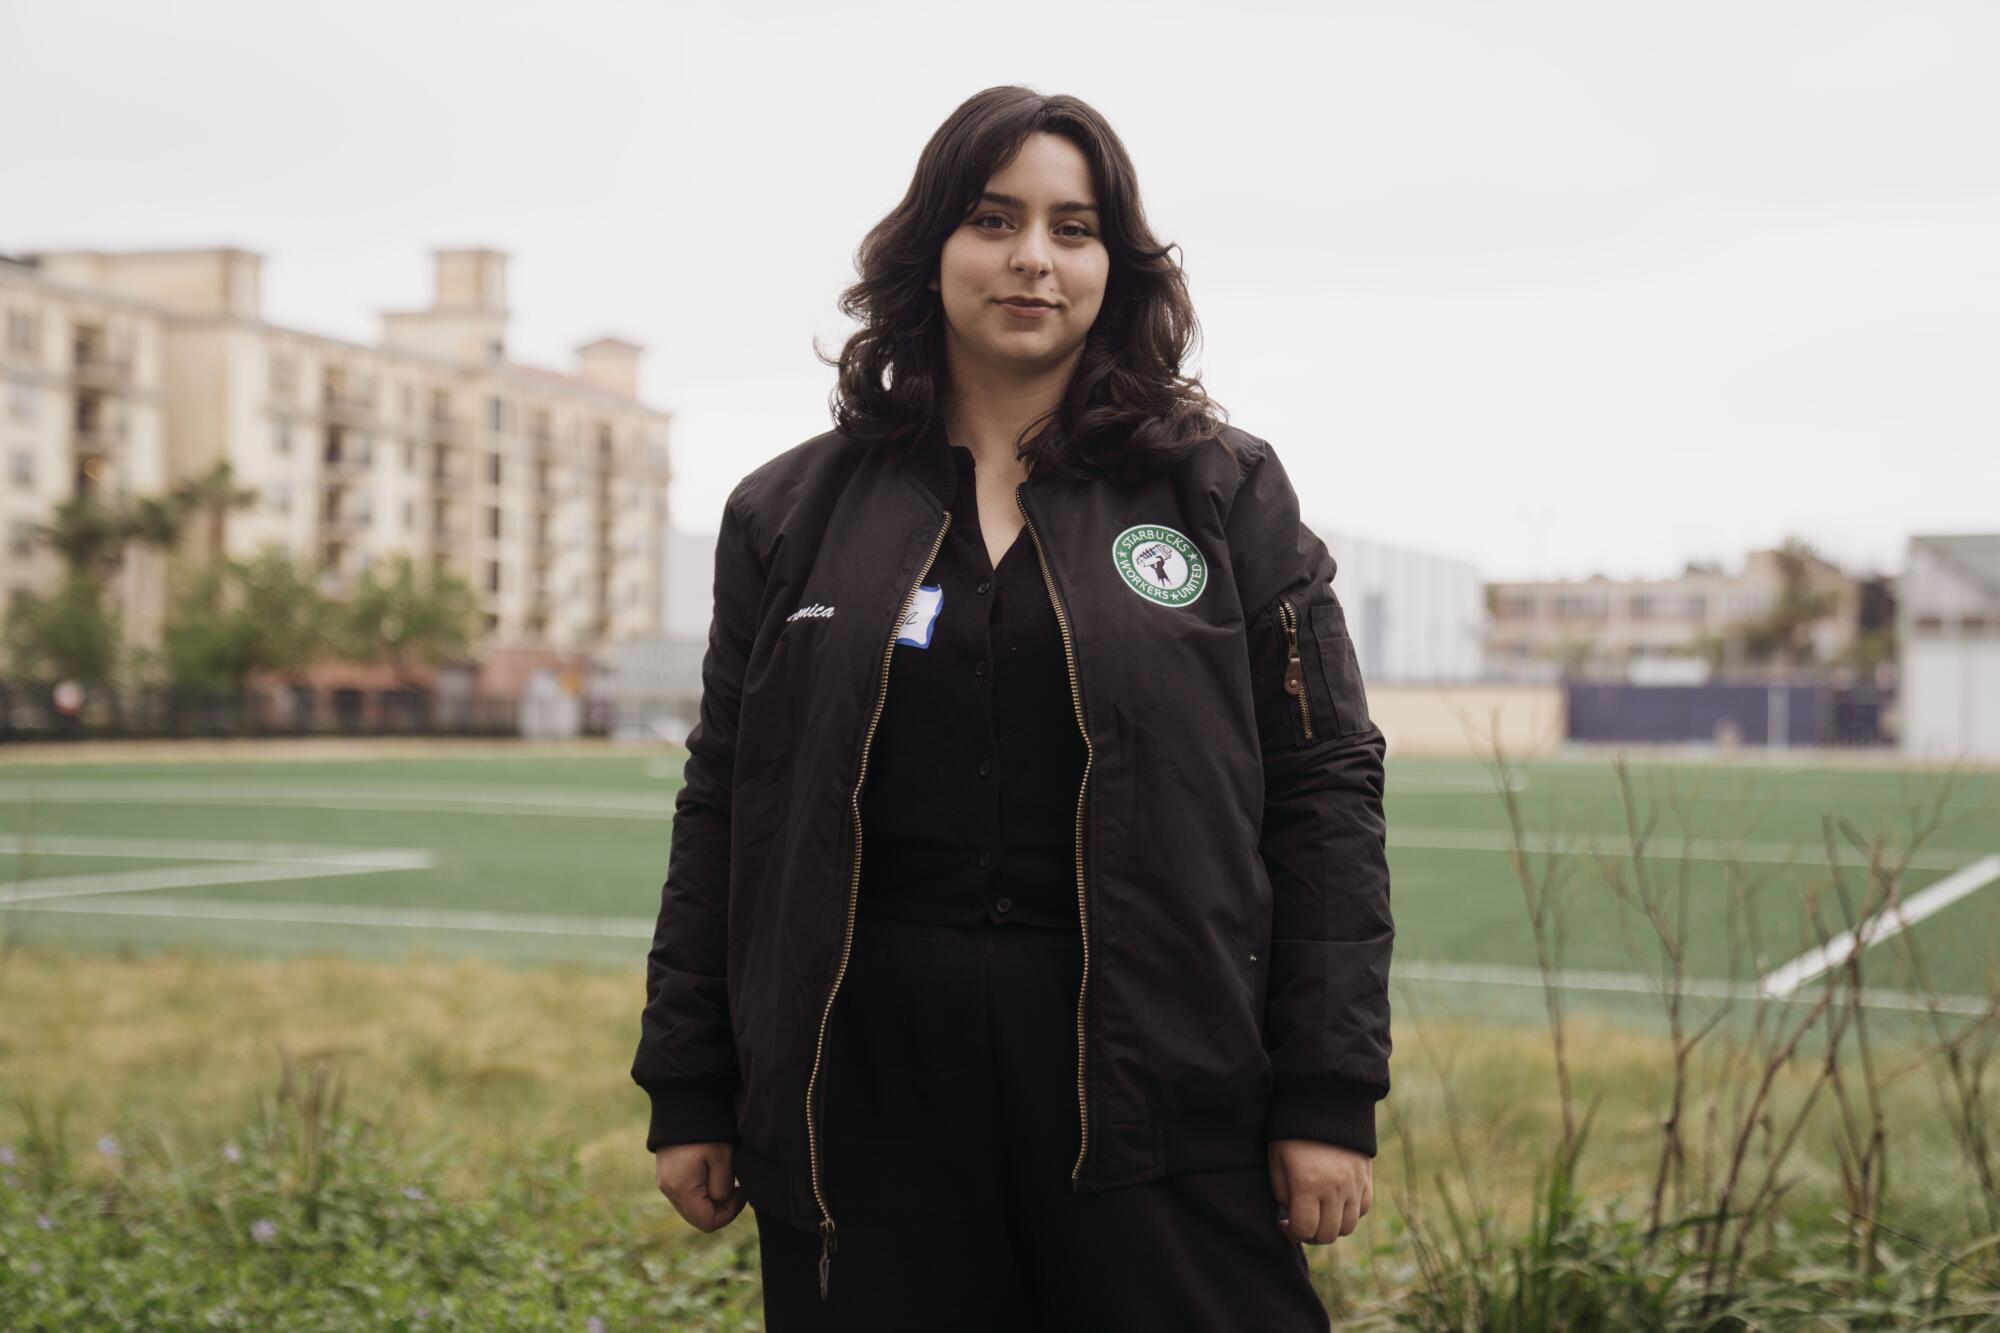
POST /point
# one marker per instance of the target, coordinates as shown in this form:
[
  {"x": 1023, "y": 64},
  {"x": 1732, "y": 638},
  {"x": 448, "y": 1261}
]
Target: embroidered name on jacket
[{"x": 810, "y": 611}]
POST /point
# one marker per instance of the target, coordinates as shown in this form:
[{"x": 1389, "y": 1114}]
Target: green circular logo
[{"x": 1160, "y": 564}]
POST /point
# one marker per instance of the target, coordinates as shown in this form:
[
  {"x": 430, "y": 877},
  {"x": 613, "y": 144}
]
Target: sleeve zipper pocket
[{"x": 1295, "y": 676}]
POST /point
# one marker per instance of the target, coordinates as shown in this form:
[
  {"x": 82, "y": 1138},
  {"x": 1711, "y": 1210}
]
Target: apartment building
[
  {"x": 546, "y": 490},
  {"x": 83, "y": 375},
  {"x": 1600, "y": 623}
]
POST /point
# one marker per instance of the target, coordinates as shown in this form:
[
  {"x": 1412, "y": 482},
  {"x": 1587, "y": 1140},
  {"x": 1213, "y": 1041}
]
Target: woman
[{"x": 1092, "y": 1036}]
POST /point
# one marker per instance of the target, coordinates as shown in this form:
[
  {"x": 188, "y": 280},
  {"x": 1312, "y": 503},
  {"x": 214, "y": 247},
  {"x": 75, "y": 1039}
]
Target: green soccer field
[{"x": 537, "y": 858}]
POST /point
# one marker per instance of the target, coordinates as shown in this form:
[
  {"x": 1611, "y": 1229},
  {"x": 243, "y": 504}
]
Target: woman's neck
[{"x": 987, "y": 417}]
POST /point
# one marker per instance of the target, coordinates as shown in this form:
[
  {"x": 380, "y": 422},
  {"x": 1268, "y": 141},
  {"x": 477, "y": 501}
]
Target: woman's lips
[{"x": 1026, "y": 311}]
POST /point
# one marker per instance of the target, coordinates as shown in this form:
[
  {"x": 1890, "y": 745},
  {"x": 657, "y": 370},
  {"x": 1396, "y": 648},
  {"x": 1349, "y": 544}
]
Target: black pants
[{"x": 950, "y": 1127}]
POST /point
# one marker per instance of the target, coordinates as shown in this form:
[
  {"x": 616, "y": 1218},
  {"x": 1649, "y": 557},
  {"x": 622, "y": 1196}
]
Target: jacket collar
[{"x": 927, "y": 456}]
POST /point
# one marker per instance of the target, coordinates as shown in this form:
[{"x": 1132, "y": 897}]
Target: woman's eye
[{"x": 1074, "y": 231}]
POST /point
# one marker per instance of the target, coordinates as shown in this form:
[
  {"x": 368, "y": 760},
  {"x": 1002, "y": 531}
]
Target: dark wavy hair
[{"x": 1128, "y": 408}]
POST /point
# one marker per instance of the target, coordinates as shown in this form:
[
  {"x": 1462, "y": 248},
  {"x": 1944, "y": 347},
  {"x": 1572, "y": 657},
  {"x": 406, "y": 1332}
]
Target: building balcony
[
  {"x": 350, "y": 460},
  {"x": 352, "y": 408},
  {"x": 103, "y": 371},
  {"x": 99, "y": 437},
  {"x": 348, "y": 520}
]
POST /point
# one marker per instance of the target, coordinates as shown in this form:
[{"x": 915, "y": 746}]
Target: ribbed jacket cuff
[
  {"x": 691, "y": 1111},
  {"x": 1326, "y": 1109}
]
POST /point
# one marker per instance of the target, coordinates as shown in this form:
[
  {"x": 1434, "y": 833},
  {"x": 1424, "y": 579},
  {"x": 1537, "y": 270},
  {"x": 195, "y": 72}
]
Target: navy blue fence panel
[{"x": 1752, "y": 712}]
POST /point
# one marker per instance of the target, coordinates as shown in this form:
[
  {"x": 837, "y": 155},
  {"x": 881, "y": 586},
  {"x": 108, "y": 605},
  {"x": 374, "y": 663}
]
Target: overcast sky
[{"x": 1554, "y": 288}]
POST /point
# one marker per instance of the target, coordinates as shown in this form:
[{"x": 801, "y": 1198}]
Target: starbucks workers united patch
[{"x": 1160, "y": 564}]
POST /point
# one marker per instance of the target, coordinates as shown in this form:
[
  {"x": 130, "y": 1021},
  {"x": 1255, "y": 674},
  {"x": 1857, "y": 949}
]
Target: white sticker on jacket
[{"x": 916, "y": 628}]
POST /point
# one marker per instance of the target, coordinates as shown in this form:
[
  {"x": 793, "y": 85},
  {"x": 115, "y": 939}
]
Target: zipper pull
[
  {"x": 1295, "y": 676},
  {"x": 827, "y": 1244}
]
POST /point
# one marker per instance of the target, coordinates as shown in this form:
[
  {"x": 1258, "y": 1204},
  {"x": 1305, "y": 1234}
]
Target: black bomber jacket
[{"x": 1232, "y": 882}]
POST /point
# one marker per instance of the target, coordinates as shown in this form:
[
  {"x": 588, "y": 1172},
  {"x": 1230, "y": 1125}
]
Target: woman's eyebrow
[{"x": 1009, "y": 201}]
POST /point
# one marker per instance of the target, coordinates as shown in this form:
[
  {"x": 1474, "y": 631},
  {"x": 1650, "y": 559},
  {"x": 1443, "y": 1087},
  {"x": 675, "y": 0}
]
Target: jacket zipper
[
  {"x": 827, "y": 1239},
  {"x": 1082, "y": 911},
  {"x": 1295, "y": 676}
]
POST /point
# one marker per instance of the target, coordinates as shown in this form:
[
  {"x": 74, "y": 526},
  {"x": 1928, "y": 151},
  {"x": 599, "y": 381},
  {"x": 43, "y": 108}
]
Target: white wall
[{"x": 1413, "y": 616}]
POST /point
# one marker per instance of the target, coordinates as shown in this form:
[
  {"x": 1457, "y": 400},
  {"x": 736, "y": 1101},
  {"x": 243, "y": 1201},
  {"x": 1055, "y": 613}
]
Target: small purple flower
[
  {"x": 593, "y": 1325},
  {"x": 42, "y": 1221},
  {"x": 421, "y": 1312},
  {"x": 539, "y": 1266},
  {"x": 264, "y": 1231},
  {"x": 6, "y": 1154},
  {"x": 11, "y": 1181},
  {"x": 108, "y": 1145},
  {"x": 231, "y": 1153},
  {"x": 412, "y": 1192},
  {"x": 34, "y": 1267}
]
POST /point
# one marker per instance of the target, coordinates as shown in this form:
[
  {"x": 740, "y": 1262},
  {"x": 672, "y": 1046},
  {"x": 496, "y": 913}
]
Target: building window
[
  {"x": 21, "y": 539},
  {"x": 409, "y": 455},
  {"x": 406, "y": 401},
  {"x": 22, "y": 402},
  {"x": 281, "y": 437},
  {"x": 492, "y": 622},
  {"x": 493, "y": 520},
  {"x": 1580, "y": 606},
  {"x": 21, "y": 468},
  {"x": 284, "y": 376},
  {"x": 493, "y": 468},
  {"x": 279, "y": 495},
  {"x": 409, "y": 515},
  {"x": 493, "y": 576},
  {"x": 496, "y": 415},
  {"x": 24, "y": 332}
]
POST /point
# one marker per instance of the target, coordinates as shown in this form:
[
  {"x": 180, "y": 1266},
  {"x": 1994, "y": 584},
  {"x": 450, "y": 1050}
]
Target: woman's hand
[
  {"x": 698, "y": 1181},
  {"x": 1323, "y": 1190}
]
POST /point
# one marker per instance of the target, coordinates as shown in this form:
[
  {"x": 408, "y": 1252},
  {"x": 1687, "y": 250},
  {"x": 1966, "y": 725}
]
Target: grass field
[
  {"x": 478, "y": 918},
  {"x": 517, "y": 855}
]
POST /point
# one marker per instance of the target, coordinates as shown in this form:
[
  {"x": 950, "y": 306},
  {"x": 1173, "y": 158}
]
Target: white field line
[
  {"x": 1897, "y": 916},
  {"x": 335, "y": 914},
  {"x": 1659, "y": 849},
  {"x": 631, "y": 804},
  {"x": 1634, "y": 983},
  {"x": 179, "y": 849},
  {"x": 430, "y": 799},
  {"x": 637, "y": 928},
  {"x": 254, "y": 863}
]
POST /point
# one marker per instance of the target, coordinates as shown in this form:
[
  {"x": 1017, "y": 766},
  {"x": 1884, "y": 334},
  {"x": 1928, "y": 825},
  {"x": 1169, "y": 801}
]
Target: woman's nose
[{"x": 1031, "y": 258}]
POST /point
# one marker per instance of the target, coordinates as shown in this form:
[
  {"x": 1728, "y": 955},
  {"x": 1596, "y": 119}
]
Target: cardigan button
[
  {"x": 1004, "y": 905},
  {"x": 984, "y": 584},
  {"x": 979, "y": 667},
  {"x": 985, "y": 768}
]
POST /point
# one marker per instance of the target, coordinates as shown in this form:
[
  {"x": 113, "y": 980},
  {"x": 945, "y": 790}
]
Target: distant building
[
  {"x": 126, "y": 371},
  {"x": 83, "y": 371},
  {"x": 1949, "y": 632},
  {"x": 1618, "y": 627},
  {"x": 1414, "y": 616}
]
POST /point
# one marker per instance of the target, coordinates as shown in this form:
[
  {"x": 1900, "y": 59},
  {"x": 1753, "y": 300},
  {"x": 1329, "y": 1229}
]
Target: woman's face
[{"x": 1025, "y": 237}]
